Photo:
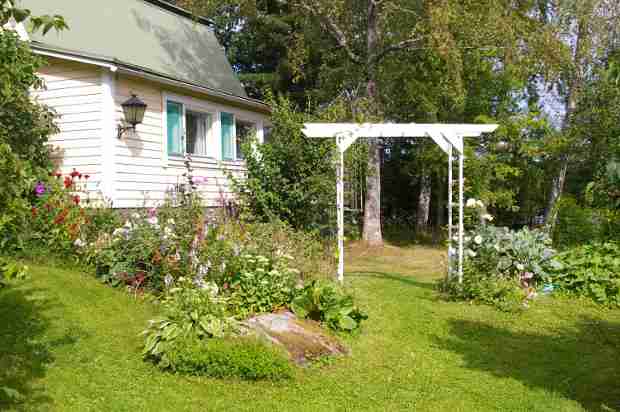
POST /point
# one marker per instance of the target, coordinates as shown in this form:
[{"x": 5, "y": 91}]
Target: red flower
[
  {"x": 60, "y": 218},
  {"x": 34, "y": 211},
  {"x": 48, "y": 207},
  {"x": 57, "y": 174},
  {"x": 76, "y": 199},
  {"x": 75, "y": 173},
  {"x": 86, "y": 177},
  {"x": 68, "y": 182}
]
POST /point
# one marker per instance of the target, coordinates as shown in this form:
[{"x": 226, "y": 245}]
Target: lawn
[{"x": 70, "y": 343}]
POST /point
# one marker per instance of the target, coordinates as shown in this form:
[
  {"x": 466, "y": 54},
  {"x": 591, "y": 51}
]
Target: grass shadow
[
  {"x": 25, "y": 347},
  {"x": 580, "y": 363},
  {"x": 396, "y": 277}
]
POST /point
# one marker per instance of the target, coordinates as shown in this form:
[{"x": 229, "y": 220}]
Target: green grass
[{"x": 70, "y": 343}]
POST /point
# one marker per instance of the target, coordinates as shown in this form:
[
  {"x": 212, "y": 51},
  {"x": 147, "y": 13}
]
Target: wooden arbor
[{"x": 448, "y": 137}]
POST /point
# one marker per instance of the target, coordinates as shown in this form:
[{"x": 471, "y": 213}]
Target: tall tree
[{"x": 589, "y": 28}]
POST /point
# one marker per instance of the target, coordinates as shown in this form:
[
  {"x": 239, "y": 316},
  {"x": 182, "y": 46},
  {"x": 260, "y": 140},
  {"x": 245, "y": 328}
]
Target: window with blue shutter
[
  {"x": 174, "y": 121},
  {"x": 228, "y": 135}
]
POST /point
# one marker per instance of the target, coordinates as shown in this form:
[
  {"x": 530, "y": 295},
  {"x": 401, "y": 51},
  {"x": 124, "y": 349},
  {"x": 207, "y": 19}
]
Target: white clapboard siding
[
  {"x": 143, "y": 174},
  {"x": 74, "y": 91}
]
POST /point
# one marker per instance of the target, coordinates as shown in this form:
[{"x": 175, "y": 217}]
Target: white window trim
[
  {"x": 215, "y": 110},
  {"x": 188, "y": 103}
]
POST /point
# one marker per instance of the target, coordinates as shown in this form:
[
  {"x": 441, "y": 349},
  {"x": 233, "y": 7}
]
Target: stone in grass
[{"x": 303, "y": 340}]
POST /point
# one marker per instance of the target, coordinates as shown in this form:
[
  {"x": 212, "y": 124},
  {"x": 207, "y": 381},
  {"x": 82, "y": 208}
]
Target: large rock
[{"x": 303, "y": 340}]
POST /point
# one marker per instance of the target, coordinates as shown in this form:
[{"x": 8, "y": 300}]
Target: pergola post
[
  {"x": 461, "y": 225},
  {"x": 450, "y": 178},
  {"x": 340, "y": 209}
]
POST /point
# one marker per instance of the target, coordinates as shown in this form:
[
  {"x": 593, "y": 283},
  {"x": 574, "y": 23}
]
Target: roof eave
[{"x": 123, "y": 67}]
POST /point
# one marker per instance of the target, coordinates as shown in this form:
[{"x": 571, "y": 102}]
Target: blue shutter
[
  {"x": 174, "y": 117},
  {"x": 227, "y": 124}
]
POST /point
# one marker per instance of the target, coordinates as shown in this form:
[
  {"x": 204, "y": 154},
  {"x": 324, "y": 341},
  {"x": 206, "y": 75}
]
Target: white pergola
[{"x": 448, "y": 137}]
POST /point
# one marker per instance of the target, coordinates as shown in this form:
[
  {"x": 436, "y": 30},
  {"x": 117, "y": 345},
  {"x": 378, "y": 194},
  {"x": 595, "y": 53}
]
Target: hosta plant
[
  {"x": 189, "y": 310},
  {"x": 325, "y": 302}
]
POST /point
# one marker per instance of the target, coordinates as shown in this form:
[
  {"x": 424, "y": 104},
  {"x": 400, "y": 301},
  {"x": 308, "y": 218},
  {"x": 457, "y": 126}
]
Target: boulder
[{"x": 303, "y": 340}]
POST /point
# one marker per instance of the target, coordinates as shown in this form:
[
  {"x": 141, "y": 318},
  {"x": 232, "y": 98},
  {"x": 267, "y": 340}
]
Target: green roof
[{"x": 143, "y": 34}]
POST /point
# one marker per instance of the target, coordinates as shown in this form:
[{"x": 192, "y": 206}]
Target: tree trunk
[
  {"x": 440, "y": 209},
  {"x": 424, "y": 204},
  {"x": 373, "y": 235},
  {"x": 575, "y": 85},
  {"x": 372, "y": 207}
]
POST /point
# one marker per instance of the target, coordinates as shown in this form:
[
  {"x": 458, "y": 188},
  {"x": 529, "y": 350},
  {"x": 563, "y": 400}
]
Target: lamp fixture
[{"x": 134, "y": 110}]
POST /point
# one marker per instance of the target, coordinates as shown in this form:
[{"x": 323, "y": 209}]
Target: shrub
[
  {"x": 11, "y": 270},
  {"x": 244, "y": 358},
  {"x": 502, "y": 267},
  {"x": 591, "y": 270},
  {"x": 191, "y": 309},
  {"x": 326, "y": 303},
  {"x": 576, "y": 224},
  {"x": 261, "y": 286}
]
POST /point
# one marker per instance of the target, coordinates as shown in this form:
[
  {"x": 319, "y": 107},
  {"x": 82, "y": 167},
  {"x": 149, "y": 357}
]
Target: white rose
[
  {"x": 471, "y": 202},
  {"x": 478, "y": 240},
  {"x": 487, "y": 217},
  {"x": 480, "y": 204}
]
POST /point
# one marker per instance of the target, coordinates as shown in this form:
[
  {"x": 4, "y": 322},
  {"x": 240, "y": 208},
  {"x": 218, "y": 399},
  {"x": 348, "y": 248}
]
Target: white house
[{"x": 170, "y": 61}]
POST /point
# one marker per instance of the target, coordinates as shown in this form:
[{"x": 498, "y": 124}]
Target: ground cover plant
[{"x": 591, "y": 270}]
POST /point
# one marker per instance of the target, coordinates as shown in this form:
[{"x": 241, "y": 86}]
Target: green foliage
[
  {"x": 189, "y": 310},
  {"x": 502, "y": 267},
  {"x": 11, "y": 270},
  {"x": 505, "y": 294},
  {"x": 25, "y": 125},
  {"x": 244, "y": 358},
  {"x": 578, "y": 224},
  {"x": 326, "y": 303},
  {"x": 261, "y": 286},
  {"x": 291, "y": 178},
  {"x": 591, "y": 270}
]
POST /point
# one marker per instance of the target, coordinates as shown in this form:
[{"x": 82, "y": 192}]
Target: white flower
[
  {"x": 467, "y": 239},
  {"x": 471, "y": 253},
  {"x": 168, "y": 232},
  {"x": 135, "y": 216},
  {"x": 79, "y": 243},
  {"x": 171, "y": 221},
  {"x": 153, "y": 220},
  {"x": 496, "y": 247},
  {"x": 203, "y": 270},
  {"x": 480, "y": 204},
  {"x": 471, "y": 202},
  {"x": 487, "y": 217},
  {"x": 478, "y": 240},
  {"x": 520, "y": 266}
]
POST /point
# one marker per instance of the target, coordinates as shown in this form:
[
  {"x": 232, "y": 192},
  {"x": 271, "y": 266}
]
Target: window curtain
[
  {"x": 228, "y": 136},
  {"x": 198, "y": 125},
  {"x": 174, "y": 117}
]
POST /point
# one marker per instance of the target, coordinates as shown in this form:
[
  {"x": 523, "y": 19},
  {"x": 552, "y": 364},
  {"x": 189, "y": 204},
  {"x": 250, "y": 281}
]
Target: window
[
  {"x": 228, "y": 128},
  {"x": 245, "y": 130},
  {"x": 267, "y": 134},
  {"x": 188, "y": 129}
]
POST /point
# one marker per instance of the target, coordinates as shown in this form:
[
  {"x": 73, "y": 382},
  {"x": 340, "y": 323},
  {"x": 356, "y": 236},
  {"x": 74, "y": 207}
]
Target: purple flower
[{"x": 39, "y": 189}]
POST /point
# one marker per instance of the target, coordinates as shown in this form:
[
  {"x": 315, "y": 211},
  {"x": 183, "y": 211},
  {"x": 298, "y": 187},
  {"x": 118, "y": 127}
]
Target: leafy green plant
[
  {"x": 261, "y": 286},
  {"x": 502, "y": 267},
  {"x": 11, "y": 270},
  {"x": 245, "y": 358},
  {"x": 591, "y": 270},
  {"x": 189, "y": 310},
  {"x": 325, "y": 302}
]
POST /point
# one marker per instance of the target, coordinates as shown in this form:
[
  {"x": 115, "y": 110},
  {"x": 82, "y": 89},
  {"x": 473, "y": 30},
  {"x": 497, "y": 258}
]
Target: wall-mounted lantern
[{"x": 134, "y": 110}]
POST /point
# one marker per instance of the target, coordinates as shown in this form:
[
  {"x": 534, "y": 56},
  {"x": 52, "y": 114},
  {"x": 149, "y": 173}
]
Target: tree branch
[
  {"x": 405, "y": 44},
  {"x": 335, "y": 31}
]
